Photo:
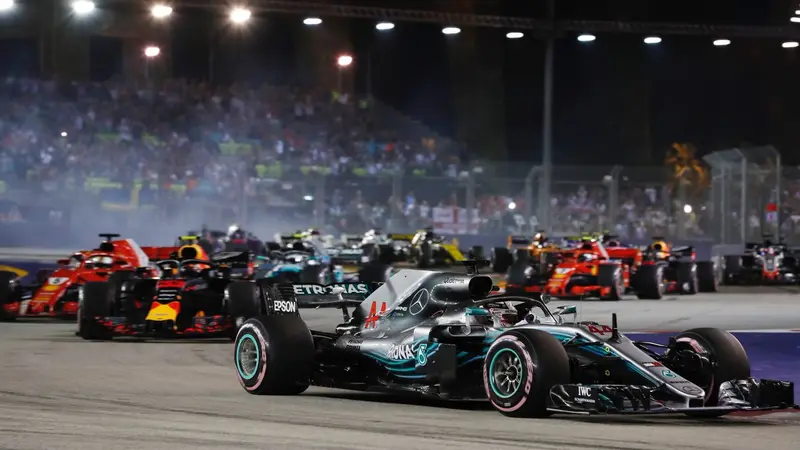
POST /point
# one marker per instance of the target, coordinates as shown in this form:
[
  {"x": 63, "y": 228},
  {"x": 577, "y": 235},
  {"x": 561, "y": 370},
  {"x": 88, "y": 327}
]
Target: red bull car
[
  {"x": 55, "y": 293},
  {"x": 181, "y": 298}
]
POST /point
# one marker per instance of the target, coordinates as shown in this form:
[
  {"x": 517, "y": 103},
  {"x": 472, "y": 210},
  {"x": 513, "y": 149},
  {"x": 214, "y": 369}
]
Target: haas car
[
  {"x": 54, "y": 293},
  {"x": 449, "y": 336},
  {"x": 171, "y": 298},
  {"x": 762, "y": 263}
]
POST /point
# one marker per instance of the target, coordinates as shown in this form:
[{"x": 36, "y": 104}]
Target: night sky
[{"x": 617, "y": 100}]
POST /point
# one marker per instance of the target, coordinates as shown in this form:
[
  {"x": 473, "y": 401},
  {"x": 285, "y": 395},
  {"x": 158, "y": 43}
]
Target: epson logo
[{"x": 284, "y": 306}]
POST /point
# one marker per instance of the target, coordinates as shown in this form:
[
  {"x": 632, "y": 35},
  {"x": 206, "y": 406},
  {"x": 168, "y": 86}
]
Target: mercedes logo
[{"x": 419, "y": 302}]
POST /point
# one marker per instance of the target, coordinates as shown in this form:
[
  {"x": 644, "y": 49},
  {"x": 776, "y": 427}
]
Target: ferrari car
[
  {"x": 588, "y": 270},
  {"x": 766, "y": 262},
  {"x": 55, "y": 293},
  {"x": 182, "y": 298},
  {"x": 451, "y": 336}
]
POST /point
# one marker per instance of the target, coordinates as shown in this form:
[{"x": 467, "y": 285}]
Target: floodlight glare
[
  {"x": 161, "y": 11},
  {"x": 795, "y": 19},
  {"x": 790, "y": 44},
  {"x": 240, "y": 15},
  {"x": 384, "y": 26},
  {"x": 650, "y": 40},
  {"x": 6, "y": 5},
  {"x": 451, "y": 30},
  {"x": 82, "y": 7},
  {"x": 344, "y": 60},
  {"x": 311, "y": 21},
  {"x": 722, "y": 42},
  {"x": 586, "y": 38},
  {"x": 152, "y": 51},
  {"x": 514, "y": 35}
]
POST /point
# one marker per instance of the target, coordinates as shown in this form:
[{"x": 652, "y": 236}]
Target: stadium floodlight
[
  {"x": 240, "y": 15},
  {"x": 586, "y": 38},
  {"x": 794, "y": 19},
  {"x": 384, "y": 26},
  {"x": 790, "y": 44},
  {"x": 82, "y": 7},
  {"x": 161, "y": 11},
  {"x": 451, "y": 30},
  {"x": 6, "y": 5},
  {"x": 152, "y": 51},
  {"x": 722, "y": 42},
  {"x": 650, "y": 40},
  {"x": 514, "y": 34},
  {"x": 344, "y": 60},
  {"x": 312, "y": 21},
  {"x": 797, "y": 12}
]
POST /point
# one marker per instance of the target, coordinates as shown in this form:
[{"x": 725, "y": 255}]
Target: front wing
[
  {"x": 200, "y": 326},
  {"x": 735, "y": 395}
]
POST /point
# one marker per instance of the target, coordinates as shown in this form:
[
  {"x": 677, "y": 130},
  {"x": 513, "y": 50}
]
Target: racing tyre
[
  {"x": 477, "y": 252},
  {"x": 243, "y": 302},
  {"x": 501, "y": 260},
  {"x": 8, "y": 292},
  {"x": 731, "y": 269},
  {"x": 95, "y": 300},
  {"x": 519, "y": 370},
  {"x": 610, "y": 275},
  {"x": 728, "y": 361},
  {"x": 707, "y": 277},
  {"x": 650, "y": 282},
  {"x": 274, "y": 355},
  {"x": 424, "y": 255},
  {"x": 374, "y": 273},
  {"x": 317, "y": 274},
  {"x": 686, "y": 277}
]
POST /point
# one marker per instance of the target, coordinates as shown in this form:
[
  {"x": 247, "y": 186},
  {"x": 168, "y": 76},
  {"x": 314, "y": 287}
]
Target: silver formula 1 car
[{"x": 451, "y": 335}]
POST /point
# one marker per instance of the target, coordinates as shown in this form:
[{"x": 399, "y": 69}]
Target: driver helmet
[
  {"x": 661, "y": 249},
  {"x": 236, "y": 234},
  {"x": 586, "y": 257}
]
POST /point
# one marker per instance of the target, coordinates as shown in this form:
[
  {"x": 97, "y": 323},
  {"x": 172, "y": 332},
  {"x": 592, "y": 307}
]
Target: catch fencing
[{"x": 480, "y": 199}]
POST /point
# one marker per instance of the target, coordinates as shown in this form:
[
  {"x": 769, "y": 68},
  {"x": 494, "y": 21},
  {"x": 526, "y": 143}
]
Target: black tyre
[
  {"x": 650, "y": 282},
  {"x": 707, "y": 277},
  {"x": 96, "y": 300},
  {"x": 243, "y": 302},
  {"x": 274, "y": 355},
  {"x": 374, "y": 273},
  {"x": 519, "y": 370},
  {"x": 610, "y": 275},
  {"x": 9, "y": 292},
  {"x": 317, "y": 273},
  {"x": 686, "y": 277},
  {"x": 728, "y": 360},
  {"x": 477, "y": 252},
  {"x": 501, "y": 259},
  {"x": 424, "y": 255},
  {"x": 731, "y": 269}
]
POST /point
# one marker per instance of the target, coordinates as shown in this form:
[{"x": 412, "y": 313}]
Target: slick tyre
[
  {"x": 424, "y": 255},
  {"x": 9, "y": 293},
  {"x": 728, "y": 360},
  {"x": 274, "y": 355},
  {"x": 686, "y": 274},
  {"x": 519, "y": 370},
  {"x": 610, "y": 275},
  {"x": 650, "y": 282},
  {"x": 95, "y": 300},
  {"x": 707, "y": 277},
  {"x": 501, "y": 259}
]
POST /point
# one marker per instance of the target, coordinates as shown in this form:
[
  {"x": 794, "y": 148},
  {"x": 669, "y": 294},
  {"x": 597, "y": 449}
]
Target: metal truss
[{"x": 505, "y": 22}]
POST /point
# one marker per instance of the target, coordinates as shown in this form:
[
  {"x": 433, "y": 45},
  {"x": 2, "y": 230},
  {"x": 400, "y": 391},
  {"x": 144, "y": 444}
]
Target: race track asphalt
[{"x": 58, "y": 392}]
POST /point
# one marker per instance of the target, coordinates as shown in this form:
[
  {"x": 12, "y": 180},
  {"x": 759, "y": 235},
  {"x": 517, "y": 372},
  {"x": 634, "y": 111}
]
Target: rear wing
[
  {"x": 519, "y": 240},
  {"x": 401, "y": 237},
  {"x": 233, "y": 260},
  {"x": 347, "y": 255}
]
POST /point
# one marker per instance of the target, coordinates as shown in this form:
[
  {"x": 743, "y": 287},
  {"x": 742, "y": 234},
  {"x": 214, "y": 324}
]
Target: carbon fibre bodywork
[{"x": 431, "y": 333}]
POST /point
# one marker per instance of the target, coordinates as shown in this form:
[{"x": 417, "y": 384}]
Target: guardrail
[{"x": 33, "y": 254}]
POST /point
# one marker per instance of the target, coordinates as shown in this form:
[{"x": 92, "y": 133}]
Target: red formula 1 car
[
  {"x": 55, "y": 293},
  {"x": 185, "y": 298},
  {"x": 591, "y": 270}
]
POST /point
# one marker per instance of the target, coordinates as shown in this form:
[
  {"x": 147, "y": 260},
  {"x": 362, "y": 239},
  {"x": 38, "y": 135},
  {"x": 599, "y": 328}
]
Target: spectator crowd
[{"x": 272, "y": 145}]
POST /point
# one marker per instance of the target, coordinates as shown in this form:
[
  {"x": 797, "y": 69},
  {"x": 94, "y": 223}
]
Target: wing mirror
[
  {"x": 338, "y": 291},
  {"x": 566, "y": 309}
]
